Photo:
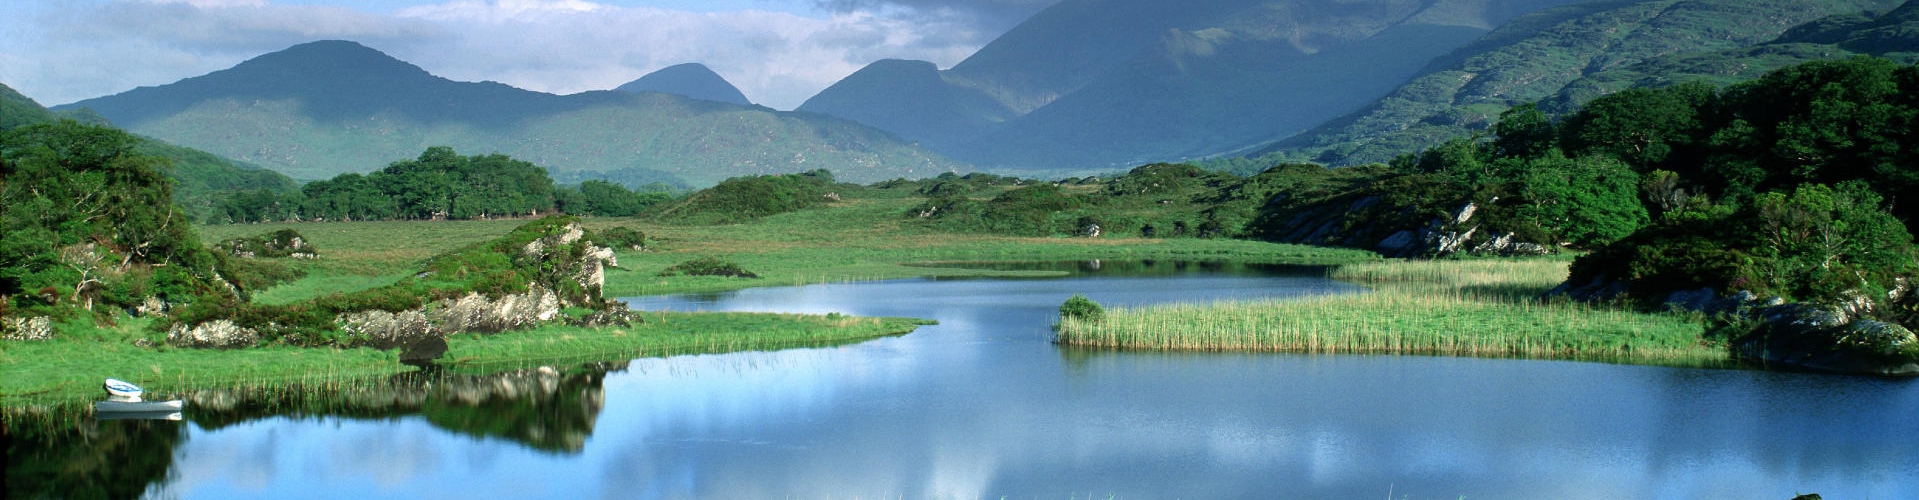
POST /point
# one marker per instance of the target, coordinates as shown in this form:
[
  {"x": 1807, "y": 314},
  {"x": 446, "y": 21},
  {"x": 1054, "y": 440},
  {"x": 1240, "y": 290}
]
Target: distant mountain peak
[{"x": 693, "y": 80}]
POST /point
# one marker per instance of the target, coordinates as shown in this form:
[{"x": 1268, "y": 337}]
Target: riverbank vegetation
[{"x": 1483, "y": 308}]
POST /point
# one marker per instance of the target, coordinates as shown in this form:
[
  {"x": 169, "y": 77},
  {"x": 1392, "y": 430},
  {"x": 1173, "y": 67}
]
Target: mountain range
[
  {"x": 319, "y": 109},
  {"x": 1565, "y": 56},
  {"x": 1112, "y": 83},
  {"x": 1083, "y": 85}
]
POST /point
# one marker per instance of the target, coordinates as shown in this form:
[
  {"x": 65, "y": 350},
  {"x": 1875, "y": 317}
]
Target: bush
[
  {"x": 623, "y": 237},
  {"x": 1081, "y": 308},
  {"x": 707, "y": 266}
]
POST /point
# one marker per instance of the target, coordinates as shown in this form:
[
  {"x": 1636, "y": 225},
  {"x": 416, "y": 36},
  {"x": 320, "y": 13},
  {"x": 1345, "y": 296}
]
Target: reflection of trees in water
[
  {"x": 543, "y": 408},
  {"x": 68, "y": 453},
  {"x": 55, "y": 455}
]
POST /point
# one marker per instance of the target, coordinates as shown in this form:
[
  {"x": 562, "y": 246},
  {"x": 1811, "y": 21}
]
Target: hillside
[
  {"x": 1112, "y": 83},
  {"x": 1566, "y": 56},
  {"x": 199, "y": 177},
  {"x": 319, "y": 109},
  {"x": 693, "y": 80}
]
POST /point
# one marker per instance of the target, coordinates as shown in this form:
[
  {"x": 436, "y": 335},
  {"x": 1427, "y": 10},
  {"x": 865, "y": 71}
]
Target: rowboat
[
  {"x": 138, "y": 406},
  {"x": 122, "y": 388}
]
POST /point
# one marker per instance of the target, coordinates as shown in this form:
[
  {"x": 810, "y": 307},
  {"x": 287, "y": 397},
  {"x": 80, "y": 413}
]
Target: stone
[
  {"x": 34, "y": 328},
  {"x": 1398, "y": 242},
  {"x": 216, "y": 334},
  {"x": 476, "y": 313},
  {"x": 386, "y": 330}
]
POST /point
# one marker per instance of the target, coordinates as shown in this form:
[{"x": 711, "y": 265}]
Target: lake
[{"x": 983, "y": 406}]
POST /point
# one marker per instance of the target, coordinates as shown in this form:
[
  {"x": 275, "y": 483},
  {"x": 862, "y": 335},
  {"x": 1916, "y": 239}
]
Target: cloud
[{"x": 78, "y": 50}]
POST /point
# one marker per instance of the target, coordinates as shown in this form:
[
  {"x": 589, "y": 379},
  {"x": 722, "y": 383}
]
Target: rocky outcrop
[
  {"x": 216, "y": 334},
  {"x": 1830, "y": 338},
  {"x": 34, "y": 328},
  {"x": 1841, "y": 338},
  {"x": 387, "y": 330},
  {"x": 1367, "y": 222},
  {"x": 477, "y": 313}
]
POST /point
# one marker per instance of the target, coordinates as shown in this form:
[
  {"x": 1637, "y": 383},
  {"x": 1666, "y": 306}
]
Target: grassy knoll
[
  {"x": 1451, "y": 308},
  {"x": 70, "y": 369}
]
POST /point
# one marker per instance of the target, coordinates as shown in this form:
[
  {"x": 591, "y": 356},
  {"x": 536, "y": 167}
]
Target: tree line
[{"x": 439, "y": 184}]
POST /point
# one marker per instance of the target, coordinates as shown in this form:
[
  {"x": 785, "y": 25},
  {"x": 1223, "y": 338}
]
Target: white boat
[
  {"x": 122, "y": 388},
  {"x": 138, "y": 406}
]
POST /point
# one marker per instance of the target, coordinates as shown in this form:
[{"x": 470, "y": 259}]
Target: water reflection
[{"x": 69, "y": 452}]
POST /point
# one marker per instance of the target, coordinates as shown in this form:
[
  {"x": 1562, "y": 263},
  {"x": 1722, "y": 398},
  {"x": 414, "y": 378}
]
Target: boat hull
[{"x": 138, "y": 406}]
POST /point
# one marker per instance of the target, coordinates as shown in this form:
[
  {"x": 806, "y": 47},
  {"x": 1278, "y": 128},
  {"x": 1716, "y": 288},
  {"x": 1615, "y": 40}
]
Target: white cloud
[{"x": 78, "y": 50}]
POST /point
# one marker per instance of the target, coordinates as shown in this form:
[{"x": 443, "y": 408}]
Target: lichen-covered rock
[
  {"x": 216, "y": 334},
  {"x": 477, "y": 313},
  {"x": 386, "y": 330},
  {"x": 34, "y": 328}
]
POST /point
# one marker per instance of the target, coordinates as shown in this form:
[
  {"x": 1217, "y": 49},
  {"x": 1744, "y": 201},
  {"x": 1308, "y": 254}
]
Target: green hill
[
  {"x": 324, "y": 108},
  {"x": 1567, "y": 56},
  {"x": 200, "y": 178}
]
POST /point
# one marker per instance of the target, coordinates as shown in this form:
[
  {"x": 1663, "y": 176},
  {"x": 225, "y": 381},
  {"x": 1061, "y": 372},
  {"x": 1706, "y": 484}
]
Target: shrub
[
  {"x": 707, "y": 266},
  {"x": 623, "y": 237},
  {"x": 1081, "y": 308}
]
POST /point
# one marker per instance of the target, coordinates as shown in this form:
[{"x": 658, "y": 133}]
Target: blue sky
[{"x": 779, "y": 52}]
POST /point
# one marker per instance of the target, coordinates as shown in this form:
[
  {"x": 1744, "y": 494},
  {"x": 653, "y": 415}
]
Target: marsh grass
[{"x": 1447, "y": 308}]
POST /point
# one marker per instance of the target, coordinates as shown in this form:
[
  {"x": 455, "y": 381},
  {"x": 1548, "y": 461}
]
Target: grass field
[{"x": 1483, "y": 308}]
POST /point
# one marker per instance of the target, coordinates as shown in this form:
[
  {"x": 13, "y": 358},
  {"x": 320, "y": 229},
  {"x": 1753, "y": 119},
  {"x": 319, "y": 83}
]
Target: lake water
[{"x": 983, "y": 406}]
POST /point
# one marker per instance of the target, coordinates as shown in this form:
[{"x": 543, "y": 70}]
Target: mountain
[
  {"x": 1103, "y": 83},
  {"x": 1568, "y": 55},
  {"x": 693, "y": 80},
  {"x": 18, "y": 110},
  {"x": 199, "y": 178},
  {"x": 320, "y": 109},
  {"x": 914, "y": 100}
]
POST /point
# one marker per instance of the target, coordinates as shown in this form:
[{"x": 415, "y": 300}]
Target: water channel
[{"x": 983, "y": 406}]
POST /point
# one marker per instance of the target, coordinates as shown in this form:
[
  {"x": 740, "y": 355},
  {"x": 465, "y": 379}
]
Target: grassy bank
[
  {"x": 70, "y": 369},
  {"x": 1449, "y": 308}
]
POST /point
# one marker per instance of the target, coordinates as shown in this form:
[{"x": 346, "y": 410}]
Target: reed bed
[{"x": 1443, "y": 308}]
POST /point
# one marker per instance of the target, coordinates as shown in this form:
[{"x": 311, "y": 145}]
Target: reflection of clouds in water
[{"x": 241, "y": 457}]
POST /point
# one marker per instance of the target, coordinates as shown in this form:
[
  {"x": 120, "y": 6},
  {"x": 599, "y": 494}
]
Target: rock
[
  {"x": 216, "y": 334},
  {"x": 423, "y": 351},
  {"x": 1398, "y": 242},
  {"x": 152, "y": 306},
  {"x": 1508, "y": 246},
  {"x": 385, "y": 330},
  {"x": 34, "y": 328},
  {"x": 476, "y": 313},
  {"x": 1829, "y": 338}
]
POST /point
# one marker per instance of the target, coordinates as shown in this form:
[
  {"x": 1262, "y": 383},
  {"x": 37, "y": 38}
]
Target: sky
[{"x": 778, "y": 52}]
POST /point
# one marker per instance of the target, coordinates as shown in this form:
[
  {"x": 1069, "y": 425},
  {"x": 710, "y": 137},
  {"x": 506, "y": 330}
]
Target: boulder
[
  {"x": 479, "y": 314},
  {"x": 34, "y": 328},
  {"x": 1829, "y": 338},
  {"x": 216, "y": 334},
  {"x": 386, "y": 330}
]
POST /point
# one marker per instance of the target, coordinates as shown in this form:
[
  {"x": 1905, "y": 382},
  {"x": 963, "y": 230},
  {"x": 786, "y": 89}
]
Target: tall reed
[{"x": 1447, "y": 308}]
